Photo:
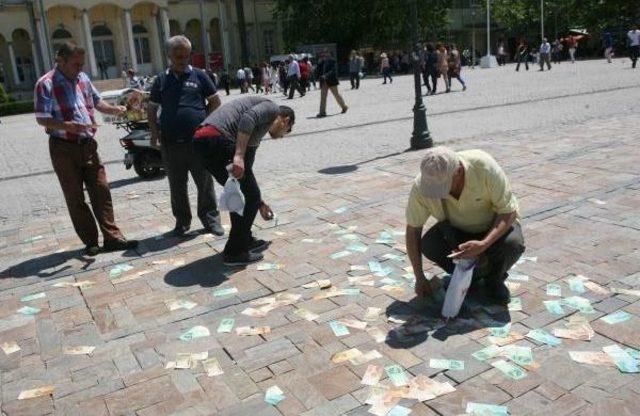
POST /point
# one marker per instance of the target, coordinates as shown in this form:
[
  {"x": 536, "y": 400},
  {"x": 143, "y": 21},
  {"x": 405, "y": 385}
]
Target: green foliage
[
  {"x": 356, "y": 23},
  {"x": 16, "y": 107},
  {"x": 4, "y": 97}
]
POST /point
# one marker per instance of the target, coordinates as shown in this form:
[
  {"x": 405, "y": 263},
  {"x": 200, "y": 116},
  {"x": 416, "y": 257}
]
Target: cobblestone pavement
[{"x": 577, "y": 183}]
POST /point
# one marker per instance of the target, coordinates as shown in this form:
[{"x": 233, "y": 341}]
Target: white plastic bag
[
  {"x": 232, "y": 198},
  {"x": 458, "y": 286}
]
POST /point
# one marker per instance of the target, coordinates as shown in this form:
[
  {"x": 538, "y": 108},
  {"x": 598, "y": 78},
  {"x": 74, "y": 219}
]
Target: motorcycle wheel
[{"x": 143, "y": 167}]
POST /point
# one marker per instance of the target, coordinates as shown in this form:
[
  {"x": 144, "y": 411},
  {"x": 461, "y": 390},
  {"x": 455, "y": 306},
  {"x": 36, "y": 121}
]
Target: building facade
[{"x": 122, "y": 34}]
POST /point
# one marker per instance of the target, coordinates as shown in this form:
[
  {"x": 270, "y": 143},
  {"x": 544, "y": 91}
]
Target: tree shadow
[
  {"x": 206, "y": 272},
  {"x": 421, "y": 318}
]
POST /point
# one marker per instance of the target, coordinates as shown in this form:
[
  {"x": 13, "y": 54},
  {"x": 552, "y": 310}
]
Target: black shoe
[
  {"x": 344, "y": 110},
  {"x": 91, "y": 251},
  {"x": 242, "y": 259},
  {"x": 118, "y": 245},
  {"x": 320, "y": 115},
  {"x": 258, "y": 246},
  {"x": 215, "y": 225},
  {"x": 499, "y": 293},
  {"x": 180, "y": 230}
]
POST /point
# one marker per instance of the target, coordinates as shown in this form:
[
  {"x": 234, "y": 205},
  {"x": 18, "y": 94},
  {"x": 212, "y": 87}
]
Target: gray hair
[{"x": 178, "y": 41}]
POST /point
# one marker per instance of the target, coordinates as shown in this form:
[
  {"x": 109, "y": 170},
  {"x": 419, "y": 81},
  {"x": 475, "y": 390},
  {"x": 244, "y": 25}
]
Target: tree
[{"x": 356, "y": 23}]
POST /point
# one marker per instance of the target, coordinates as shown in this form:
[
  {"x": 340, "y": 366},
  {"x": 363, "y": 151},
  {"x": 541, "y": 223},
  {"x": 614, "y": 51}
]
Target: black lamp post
[{"x": 420, "y": 138}]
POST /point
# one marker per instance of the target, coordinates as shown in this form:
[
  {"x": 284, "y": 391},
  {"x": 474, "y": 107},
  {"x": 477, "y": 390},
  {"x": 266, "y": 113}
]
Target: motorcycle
[{"x": 145, "y": 159}]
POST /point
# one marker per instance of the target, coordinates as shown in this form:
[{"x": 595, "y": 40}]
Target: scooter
[{"x": 145, "y": 159}]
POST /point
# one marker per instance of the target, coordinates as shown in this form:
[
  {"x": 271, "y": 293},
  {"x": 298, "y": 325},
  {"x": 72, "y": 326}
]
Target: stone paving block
[
  {"x": 261, "y": 375},
  {"x": 37, "y": 406},
  {"x": 240, "y": 383},
  {"x": 48, "y": 338},
  {"x": 142, "y": 395},
  {"x": 550, "y": 390},
  {"x": 217, "y": 392},
  {"x": 470, "y": 391},
  {"x": 335, "y": 407},
  {"x": 296, "y": 382},
  {"x": 565, "y": 405},
  {"x": 252, "y": 407},
  {"x": 335, "y": 382},
  {"x": 528, "y": 404}
]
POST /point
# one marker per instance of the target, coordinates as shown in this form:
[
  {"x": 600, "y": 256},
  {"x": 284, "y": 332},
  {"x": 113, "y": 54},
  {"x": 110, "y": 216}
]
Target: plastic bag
[
  {"x": 232, "y": 198},
  {"x": 458, "y": 286}
]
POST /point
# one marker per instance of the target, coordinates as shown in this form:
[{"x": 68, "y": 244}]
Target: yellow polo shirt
[{"x": 486, "y": 193}]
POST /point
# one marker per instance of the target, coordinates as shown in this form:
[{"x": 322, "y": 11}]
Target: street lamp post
[
  {"x": 420, "y": 138},
  {"x": 541, "y": 19},
  {"x": 488, "y": 61}
]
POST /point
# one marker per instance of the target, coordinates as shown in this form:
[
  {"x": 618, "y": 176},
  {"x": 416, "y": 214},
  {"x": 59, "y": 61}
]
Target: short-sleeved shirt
[
  {"x": 486, "y": 193},
  {"x": 252, "y": 115},
  {"x": 64, "y": 99},
  {"x": 182, "y": 98}
]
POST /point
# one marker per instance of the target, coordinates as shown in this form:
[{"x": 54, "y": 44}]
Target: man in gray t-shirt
[{"x": 230, "y": 137}]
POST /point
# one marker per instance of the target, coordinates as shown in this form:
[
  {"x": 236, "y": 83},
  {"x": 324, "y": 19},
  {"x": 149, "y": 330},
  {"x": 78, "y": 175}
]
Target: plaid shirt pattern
[{"x": 63, "y": 99}]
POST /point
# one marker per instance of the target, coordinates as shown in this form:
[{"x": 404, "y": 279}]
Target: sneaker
[
  {"x": 180, "y": 230},
  {"x": 91, "y": 251},
  {"x": 215, "y": 224},
  {"x": 242, "y": 259},
  {"x": 118, "y": 245},
  {"x": 258, "y": 246},
  {"x": 499, "y": 293}
]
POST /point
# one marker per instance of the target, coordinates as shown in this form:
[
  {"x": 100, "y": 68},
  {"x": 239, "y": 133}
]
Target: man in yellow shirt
[{"x": 470, "y": 197}]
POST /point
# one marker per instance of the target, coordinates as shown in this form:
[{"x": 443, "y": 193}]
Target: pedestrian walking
[
  {"x": 65, "y": 103},
  {"x": 282, "y": 75},
  {"x": 431, "y": 68},
  {"x": 385, "y": 68},
  {"x": 305, "y": 73},
  {"x": 249, "y": 78},
  {"x": 224, "y": 80},
  {"x": 634, "y": 45},
  {"x": 241, "y": 80},
  {"x": 502, "y": 53},
  {"x": 181, "y": 92},
  {"x": 455, "y": 66},
  {"x": 522, "y": 55},
  {"x": 293, "y": 77},
  {"x": 231, "y": 136},
  {"x": 274, "y": 79},
  {"x": 257, "y": 80},
  {"x": 265, "y": 76},
  {"x": 607, "y": 44},
  {"x": 443, "y": 65},
  {"x": 355, "y": 67},
  {"x": 327, "y": 73},
  {"x": 556, "y": 51},
  {"x": 545, "y": 54},
  {"x": 572, "y": 45},
  {"x": 312, "y": 75}
]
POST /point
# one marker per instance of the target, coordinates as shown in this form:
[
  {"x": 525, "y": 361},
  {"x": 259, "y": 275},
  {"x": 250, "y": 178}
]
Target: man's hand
[
  {"x": 119, "y": 110},
  {"x": 265, "y": 212},
  {"x": 425, "y": 287},
  {"x": 237, "y": 169},
  {"x": 470, "y": 250}
]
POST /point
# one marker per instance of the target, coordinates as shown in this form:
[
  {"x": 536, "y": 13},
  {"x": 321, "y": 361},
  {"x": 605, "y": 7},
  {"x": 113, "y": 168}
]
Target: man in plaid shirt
[{"x": 65, "y": 101}]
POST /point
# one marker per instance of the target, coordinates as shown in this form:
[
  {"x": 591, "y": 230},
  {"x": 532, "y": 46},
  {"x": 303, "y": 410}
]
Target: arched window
[
  {"x": 141, "y": 43},
  {"x": 103, "y": 46},
  {"x": 192, "y": 31},
  {"x": 174, "y": 28},
  {"x": 60, "y": 36}
]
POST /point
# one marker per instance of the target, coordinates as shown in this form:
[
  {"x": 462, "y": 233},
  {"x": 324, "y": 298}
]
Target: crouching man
[
  {"x": 469, "y": 195},
  {"x": 231, "y": 136}
]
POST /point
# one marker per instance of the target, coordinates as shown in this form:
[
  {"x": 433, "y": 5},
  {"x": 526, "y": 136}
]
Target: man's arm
[
  {"x": 152, "y": 117},
  {"x": 473, "y": 248},
  {"x": 105, "y": 107},
  {"x": 413, "y": 238},
  {"x": 213, "y": 102}
]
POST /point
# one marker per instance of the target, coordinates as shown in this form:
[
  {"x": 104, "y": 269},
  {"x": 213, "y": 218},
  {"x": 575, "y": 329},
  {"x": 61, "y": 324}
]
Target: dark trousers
[
  {"x": 293, "y": 85},
  {"x": 443, "y": 238},
  {"x": 523, "y": 57},
  {"x": 354, "y": 77},
  {"x": 215, "y": 154},
  {"x": 634, "y": 54},
  {"x": 434, "y": 81},
  {"x": 180, "y": 159},
  {"x": 545, "y": 58},
  {"x": 78, "y": 165},
  {"x": 386, "y": 73}
]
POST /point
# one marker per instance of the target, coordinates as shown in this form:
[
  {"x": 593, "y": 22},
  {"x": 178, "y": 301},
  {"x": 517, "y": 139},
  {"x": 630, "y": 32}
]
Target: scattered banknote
[
  {"x": 33, "y": 393},
  {"x": 345, "y": 355},
  {"x": 421, "y": 388},
  {"x": 576, "y": 285},
  {"x": 35, "y": 296},
  {"x": 33, "y": 239},
  {"x": 394, "y": 257},
  {"x": 512, "y": 286},
  {"x": 245, "y": 331},
  {"x": 554, "y": 307},
  {"x": 519, "y": 277},
  {"x": 579, "y": 303},
  {"x": 10, "y": 347},
  {"x": 340, "y": 255},
  {"x": 349, "y": 237},
  {"x": 372, "y": 314},
  {"x": 197, "y": 331},
  {"x": 391, "y": 282},
  {"x": 365, "y": 358},
  {"x": 212, "y": 367},
  {"x": 554, "y": 289},
  {"x": 82, "y": 284},
  {"x": 623, "y": 291},
  {"x": 350, "y": 291},
  {"x": 273, "y": 395},
  {"x": 392, "y": 289},
  {"x": 482, "y": 409},
  {"x": 510, "y": 370},
  {"x": 515, "y": 304},
  {"x": 386, "y": 238},
  {"x": 306, "y": 314},
  {"x": 501, "y": 331},
  {"x": 341, "y": 210},
  {"x": 257, "y": 312},
  {"x": 361, "y": 280},
  {"x": 226, "y": 325},
  {"x": 398, "y": 410},
  {"x": 372, "y": 375},
  {"x": 377, "y": 334},
  {"x": 487, "y": 352},
  {"x": 81, "y": 350},
  {"x": 381, "y": 402},
  {"x": 446, "y": 364},
  {"x": 28, "y": 310},
  {"x": 225, "y": 292},
  {"x": 513, "y": 337},
  {"x": 357, "y": 247},
  {"x": 338, "y": 328},
  {"x": 596, "y": 288},
  {"x": 183, "y": 360},
  {"x": 358, "y": 268},
  {"x": 310, "y": 240},
  {"x": 581, "y": 332},
  {"x": 591, "y": 357},
  {"x": 518, "y": 354},
  {"x": 634, "y": 353},
  {"x": 625, "y": 362},
  {"x": 616, "y": 317},
  {"x": 322, "y": 284},
  {"x": 353, "y": 323},
  {"x": 397, "y": 375},
  {"x": 175, "y": 304},
  {"x": 119, "y": 269},
  {"x": 268, "y": 266},
  {"x": 543, "y": 336}
]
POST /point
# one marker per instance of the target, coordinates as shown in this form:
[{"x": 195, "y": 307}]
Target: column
[
  {"x": 224, "y": 34},
  {"x": 46, "y": 56},
  {"x": 36, "y": 61},
  {"x": 164, "y": 21},
  {"x": 14, "y": 66},
  {"x": 131, "y": 49},
  {"x": 86, "y": 26},
  {"x": 155, "y": 44}
]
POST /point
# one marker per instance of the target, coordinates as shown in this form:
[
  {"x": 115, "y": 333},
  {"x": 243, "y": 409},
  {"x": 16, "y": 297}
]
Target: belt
[{"x": 79, "y": 140}]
